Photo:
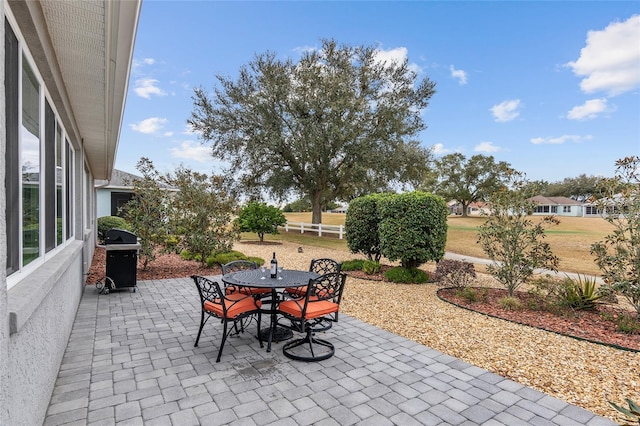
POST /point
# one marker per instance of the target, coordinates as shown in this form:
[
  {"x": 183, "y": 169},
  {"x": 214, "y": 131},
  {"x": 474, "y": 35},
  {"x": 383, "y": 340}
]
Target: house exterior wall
[
  {"x": 103, "y": 202},
  {"x": 4, "y": 317},
  {"x": 37, "y": 312}
]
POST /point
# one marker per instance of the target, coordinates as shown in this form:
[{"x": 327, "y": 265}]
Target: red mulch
[
  {"x": 165, "y": 266},
  {"x": 587, "y": 325}
]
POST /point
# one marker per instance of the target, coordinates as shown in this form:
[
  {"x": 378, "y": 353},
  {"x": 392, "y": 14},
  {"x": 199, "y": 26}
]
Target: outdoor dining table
[{"x": 261, "y": 278}]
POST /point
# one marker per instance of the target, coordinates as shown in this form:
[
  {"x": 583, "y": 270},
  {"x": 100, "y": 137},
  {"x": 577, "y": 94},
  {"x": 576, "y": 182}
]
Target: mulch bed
[{"x": 587, "y": 325}]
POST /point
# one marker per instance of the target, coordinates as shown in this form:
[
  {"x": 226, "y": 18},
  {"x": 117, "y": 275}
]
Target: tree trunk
[
  {"x": 261, "y": 236},
  {"x": 316, "y": 208},
  {"x": 464, "y": 209}
]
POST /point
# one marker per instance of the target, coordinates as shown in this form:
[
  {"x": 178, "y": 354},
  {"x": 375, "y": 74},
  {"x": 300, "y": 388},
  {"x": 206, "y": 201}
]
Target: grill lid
[{"x": 120, "y": 236}]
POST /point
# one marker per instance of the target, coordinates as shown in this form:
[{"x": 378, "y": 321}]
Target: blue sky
[{"x": 553, "y": 88}]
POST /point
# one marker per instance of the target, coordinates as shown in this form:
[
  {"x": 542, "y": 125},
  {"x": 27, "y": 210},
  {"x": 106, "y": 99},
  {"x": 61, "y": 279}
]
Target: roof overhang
[{"x": 83, "y": 50}]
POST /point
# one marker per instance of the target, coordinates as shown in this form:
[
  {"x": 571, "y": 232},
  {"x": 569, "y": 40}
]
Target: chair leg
[
  {"x": 202, "y": 321},
  {"x": 224, "y": 338},
  {"x": 309, "y": 340},
  {"x": 259, "y": 321}
]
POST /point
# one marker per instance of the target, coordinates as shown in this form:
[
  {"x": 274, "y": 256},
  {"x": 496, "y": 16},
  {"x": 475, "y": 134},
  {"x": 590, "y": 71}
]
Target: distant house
[
  {"x": 114, "y": 193},
  {"x": 476, "y": 208},
  {"x": 560, "y": 206}
]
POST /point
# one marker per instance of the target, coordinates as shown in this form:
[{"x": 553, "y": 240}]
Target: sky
[{"x": 550, "y": 87}]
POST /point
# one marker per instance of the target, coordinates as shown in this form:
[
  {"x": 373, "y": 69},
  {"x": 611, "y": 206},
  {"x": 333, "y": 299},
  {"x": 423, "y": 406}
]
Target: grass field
[{"x": 570, "y": 240}]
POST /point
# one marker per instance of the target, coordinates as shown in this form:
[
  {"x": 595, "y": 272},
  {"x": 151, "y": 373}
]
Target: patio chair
[
  {"x": 320, "y": 303},
  {"x": 319, "y": 266},
  {"x": 243, "y": 265},
  {"x": 215, "y": 303}
]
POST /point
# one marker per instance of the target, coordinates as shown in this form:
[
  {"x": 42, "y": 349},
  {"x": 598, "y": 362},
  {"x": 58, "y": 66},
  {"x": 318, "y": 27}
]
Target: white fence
[{"x": 315, "y": 227}]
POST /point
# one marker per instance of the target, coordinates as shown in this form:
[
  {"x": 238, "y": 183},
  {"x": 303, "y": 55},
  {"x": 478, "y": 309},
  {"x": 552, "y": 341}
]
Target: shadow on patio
[{"x": 130, "y": 360}]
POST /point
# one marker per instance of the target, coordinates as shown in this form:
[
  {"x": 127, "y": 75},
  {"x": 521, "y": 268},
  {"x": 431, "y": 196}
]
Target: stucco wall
[{"x": 42, "y": 310}]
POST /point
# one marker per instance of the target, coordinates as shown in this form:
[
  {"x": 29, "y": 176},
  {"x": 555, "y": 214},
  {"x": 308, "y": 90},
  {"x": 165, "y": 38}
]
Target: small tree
[
  {"x": 618, "y": 256},
  {"x": 361, "y": 226},
  {"x": 413, "y": 228},
  {"x": 511, "y": 239},
  {"x": 261, "y": 219},
  {"x": 201, "y": 213},
  {"x": 147, "y": 211}
]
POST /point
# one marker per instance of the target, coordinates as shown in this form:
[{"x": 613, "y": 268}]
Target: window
[
  {"x": 38, "y": 160},
  {"x": 566, "y": 209},
  {"x": 30, "y": 164},
  {"x": 554, "y": 209}
]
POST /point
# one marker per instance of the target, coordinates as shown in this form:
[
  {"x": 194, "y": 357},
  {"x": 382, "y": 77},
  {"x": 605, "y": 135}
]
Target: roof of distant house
[
  {"x": 123, "y": 180},
  {"x": 558, "y": 201}
]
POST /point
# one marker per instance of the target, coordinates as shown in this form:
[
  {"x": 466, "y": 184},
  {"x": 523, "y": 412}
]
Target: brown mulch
[
  {"x": 165, "y": 266},
  {"x": 588, "y": 325}
]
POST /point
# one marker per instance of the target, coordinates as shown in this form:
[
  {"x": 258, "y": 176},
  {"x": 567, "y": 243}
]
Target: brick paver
[{"x": 130, "y": 360}]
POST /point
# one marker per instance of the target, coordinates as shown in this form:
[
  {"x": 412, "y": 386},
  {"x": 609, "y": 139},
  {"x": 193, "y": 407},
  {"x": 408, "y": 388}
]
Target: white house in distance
[
  {"x": 559, "y": 206},
  {"x": 65, "y": 67},
  {"x": 114, "y": 193}
]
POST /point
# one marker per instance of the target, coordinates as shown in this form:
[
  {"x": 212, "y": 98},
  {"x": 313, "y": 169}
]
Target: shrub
[
  {"x": 454, "y": 273},
  {"x": 227, "y": 256},
  {"x": 618, "y": 256},
  {"x": 370, "y": 267},
  {"x": 106, "y": 223},
  {"x": 627, "y": 324},
  {"x": 361, "y": 226},
  {"x": 511, "y": 239},
  {"x": 633, "y": 412},
  {"x": 413, "y": 227},
  {"x": 579, "y": 293},
  {"x": 186, "y": 255},
  {"x": 352, "y": 265},
  {"x": 510, "y": 303},
  {"x": 406, "y": 275},
  {"x": 469, "y": 294}
]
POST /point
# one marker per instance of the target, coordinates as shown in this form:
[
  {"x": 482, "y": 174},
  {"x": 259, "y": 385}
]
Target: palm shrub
[
  {"x": 413, "y": 228},
  {"x": 633, "y": 412},
  {"x": 580, "y": 293}
]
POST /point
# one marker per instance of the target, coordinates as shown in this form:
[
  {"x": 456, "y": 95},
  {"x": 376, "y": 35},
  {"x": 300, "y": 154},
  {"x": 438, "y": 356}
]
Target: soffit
[{"x": 87, "y": 47}]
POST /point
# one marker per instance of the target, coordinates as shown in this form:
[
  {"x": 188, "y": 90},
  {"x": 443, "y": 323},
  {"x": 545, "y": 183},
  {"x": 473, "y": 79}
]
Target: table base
[{"x": 279, "y": 334}]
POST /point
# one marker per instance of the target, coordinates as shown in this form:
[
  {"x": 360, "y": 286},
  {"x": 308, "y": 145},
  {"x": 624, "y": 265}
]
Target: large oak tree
[
  {"x": 467, "y": 180},
  {"x": 337, "y": 124}
]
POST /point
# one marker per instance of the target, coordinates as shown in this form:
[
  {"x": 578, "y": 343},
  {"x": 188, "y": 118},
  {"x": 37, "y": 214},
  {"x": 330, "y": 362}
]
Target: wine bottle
[{"x": 274, "y": 266}]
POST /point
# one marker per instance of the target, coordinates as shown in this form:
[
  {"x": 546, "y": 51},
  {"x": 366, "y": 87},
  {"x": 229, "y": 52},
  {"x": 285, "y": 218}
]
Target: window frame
[{"x": 50, "y": 124}]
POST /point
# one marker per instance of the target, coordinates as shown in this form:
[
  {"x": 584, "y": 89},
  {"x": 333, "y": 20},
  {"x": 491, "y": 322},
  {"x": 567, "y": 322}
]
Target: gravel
[{"x": 582, "y": 373}]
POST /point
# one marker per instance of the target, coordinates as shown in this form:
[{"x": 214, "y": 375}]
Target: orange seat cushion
[
  {"x": 297, "y": 291},
  {"x": 314, "y": 309},
  {"x": 254, "y": 290},
  {"x": 234, "y": 307}
]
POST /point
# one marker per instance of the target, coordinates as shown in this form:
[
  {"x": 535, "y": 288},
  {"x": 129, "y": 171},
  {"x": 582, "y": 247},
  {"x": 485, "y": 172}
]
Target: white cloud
[
  {"x": 190, "y": 150},
  {"x": 506, "y": 111},
  {"x": 590, "y": 109},
  {"x": 149, "y": 125},
  {"x": 487, "y": 147},
  {"x": 459, "y": 74},
  {"x": 560, "y": 139},
  {"x": 610, "y": 60},
  {"x": 396, "y": 55},
  {"x": 439, "y": 149},
  {"x": 145, "y": 87}
]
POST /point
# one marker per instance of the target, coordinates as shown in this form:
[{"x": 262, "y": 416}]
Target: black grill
[{"x": 122, "y": 259}]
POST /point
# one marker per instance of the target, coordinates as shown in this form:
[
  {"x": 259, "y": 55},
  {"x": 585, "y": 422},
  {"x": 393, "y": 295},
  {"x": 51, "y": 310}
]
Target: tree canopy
[
  {"x": 337, "y": 124},
  {"x": 466, "y": 180}
]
